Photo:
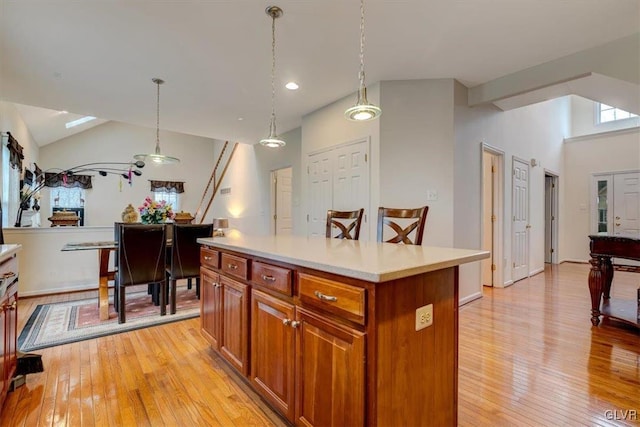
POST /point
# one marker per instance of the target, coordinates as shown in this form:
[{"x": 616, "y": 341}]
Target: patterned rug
[{"x": 70, "y": 321}]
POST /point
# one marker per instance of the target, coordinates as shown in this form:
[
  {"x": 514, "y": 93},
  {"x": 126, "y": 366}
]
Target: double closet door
[{"x": 338, "y": 179}]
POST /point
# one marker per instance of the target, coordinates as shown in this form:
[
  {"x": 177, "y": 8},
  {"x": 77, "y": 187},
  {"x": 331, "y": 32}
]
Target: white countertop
[
  {"x": 370, "y": 261},
  {"x": 8, "y": 250}
]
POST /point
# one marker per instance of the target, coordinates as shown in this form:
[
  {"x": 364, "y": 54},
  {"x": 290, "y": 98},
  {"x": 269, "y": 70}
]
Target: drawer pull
[
  {"x": 11, "y": 306},
  {"x": 324, "y": 297},
  {"x": 232, "y": 266},
  {"x": 8, "y": 275},
  {"x": 295, "y": 324},
  {"x": 268, "y": 278},
  {"x": 286, "y": 322},
  {"x": 207, "y": 258}
]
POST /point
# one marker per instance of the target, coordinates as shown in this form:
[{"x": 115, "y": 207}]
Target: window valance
[
  {"x": 38, "y": 173},
  {"x": 168, "y": 186},
  {"x": 68, "y": 181},
  {"x": 15, "y": 152}
]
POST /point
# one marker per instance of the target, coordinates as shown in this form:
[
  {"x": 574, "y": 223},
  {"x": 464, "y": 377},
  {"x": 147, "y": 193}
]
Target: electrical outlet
[{"x": 424, "y": 316}]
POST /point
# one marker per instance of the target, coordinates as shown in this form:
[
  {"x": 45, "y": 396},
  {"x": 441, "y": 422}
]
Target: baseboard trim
[
  {"x": 469, "y": 298},
  {"x": 536, "y": 271},
  {"x": 576, "y": 261},
  {"x": 56, "y": 291}
]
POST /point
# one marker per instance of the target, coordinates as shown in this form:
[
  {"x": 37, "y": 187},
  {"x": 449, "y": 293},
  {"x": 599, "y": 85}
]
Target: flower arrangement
[{"x": 152, "y": 212}]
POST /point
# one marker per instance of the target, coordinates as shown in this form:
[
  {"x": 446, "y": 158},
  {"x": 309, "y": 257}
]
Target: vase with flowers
[{"x": 155, "y": 212}]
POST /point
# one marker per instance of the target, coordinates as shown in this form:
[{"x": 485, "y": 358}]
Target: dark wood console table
[{"x": 602, "y": 248}]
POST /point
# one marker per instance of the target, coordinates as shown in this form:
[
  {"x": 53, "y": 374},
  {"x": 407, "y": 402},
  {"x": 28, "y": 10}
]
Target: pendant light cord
[
  {"x": 158, "y": 119},
  {"x": 361, "y": 44},
  {"x": 272, "y": 126}
]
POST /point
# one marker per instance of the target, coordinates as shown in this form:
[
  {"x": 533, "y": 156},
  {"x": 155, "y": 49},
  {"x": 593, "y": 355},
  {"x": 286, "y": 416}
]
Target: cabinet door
[
  {"x": 3, "y": 352},
  {"x": 235, "y": 327},
  {"x": 272, "y": 351},
  {"x": 210, "y": 306},
  {"x": 11, "y": 360},
  {"x": 330, "y": 374}
]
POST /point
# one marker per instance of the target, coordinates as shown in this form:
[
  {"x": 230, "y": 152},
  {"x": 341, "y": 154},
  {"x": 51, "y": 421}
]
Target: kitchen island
[{"x": 338, "y": 332}]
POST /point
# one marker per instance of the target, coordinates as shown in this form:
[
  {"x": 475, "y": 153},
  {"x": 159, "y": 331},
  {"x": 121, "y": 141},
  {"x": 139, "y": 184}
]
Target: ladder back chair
[
  {"x": 141, "y": 256},
  {"x": 340, "y": 220},
  {"x": 388, "y": 217},
  {"x": 185, "y": 257}
]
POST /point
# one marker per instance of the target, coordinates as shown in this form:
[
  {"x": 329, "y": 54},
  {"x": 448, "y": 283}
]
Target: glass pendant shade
[
  {"x": 363, "y": 110},
  {"x": 157, "y": 157},
  {"x": 272, "y": 141}
]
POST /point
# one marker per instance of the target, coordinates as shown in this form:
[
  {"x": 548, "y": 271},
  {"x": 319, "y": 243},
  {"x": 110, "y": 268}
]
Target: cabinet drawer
[
  {"x": 209, "y": 258},
  {"x": 235, "y": 266},
  {"x": 338, "y": 298},
  {"x": 272, "y": 277}
]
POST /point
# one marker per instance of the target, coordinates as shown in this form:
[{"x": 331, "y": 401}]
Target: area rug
[{"x": 70, "y": 321}]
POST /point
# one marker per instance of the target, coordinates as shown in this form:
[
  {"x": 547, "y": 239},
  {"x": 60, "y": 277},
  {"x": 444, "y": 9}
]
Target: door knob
[{"x": 617, "y": 224}]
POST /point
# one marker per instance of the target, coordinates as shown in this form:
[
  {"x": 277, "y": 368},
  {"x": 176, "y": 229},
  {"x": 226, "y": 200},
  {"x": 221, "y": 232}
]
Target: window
[
  {"x": 62, "y": 197},
  {"x": 172, "y": 198},
  {"x": 169, "y": 191},
  {"x": 607, "y": 113}
]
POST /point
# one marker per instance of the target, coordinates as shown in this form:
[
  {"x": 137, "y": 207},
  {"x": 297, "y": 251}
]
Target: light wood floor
[{"x": 528, "y": 356}]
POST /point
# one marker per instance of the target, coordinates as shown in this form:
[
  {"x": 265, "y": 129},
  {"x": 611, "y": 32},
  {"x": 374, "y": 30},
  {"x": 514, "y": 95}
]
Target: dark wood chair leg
[
  {"x": 172, "y": 295},
  {"x": 121, "y": 311},
  {"x": 188, "y": 283},
  {"x": 197, "y": 287},
  {"x": 163, "y": 298}
]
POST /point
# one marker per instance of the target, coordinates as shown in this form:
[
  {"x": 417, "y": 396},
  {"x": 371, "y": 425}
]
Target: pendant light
[
  {"x": 363, "y": 110},
  {"x": 272, "y": 140},
  {"x": 157, "y": 157}
]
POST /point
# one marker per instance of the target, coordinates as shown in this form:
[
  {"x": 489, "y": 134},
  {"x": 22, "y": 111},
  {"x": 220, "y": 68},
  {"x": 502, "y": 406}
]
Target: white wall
[
  {"x": 416, "y": 152},
  {"x": 536, "y": 131},
  {"x": 327, "y": 127},
  {"x": 248, "y": 177},
  {"x": 584, "y": 156},
  {"x": 118, "y": 142},
  {"x": 583, "y": 119}
]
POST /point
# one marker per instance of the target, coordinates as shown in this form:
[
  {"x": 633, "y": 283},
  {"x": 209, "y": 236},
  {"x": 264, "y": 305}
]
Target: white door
[
  {"x": 283, "y": 216},
  {"x": 520, "y": 244},
  {"x": 351, "y": 181},
  {"x": 319, "y": 169},
  {"x": 626, "y": 199}
]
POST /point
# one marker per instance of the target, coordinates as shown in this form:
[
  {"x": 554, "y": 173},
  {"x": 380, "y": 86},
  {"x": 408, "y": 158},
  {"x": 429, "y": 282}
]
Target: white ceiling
[{"x": 97, "y": 57}]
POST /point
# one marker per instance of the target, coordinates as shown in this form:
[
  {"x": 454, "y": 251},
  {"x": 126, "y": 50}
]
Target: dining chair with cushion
[
  {"x": 141, "y": 260},
  {"x": 185, "y": 257},
  {"x": 346, "y": 222},
  {"x": 402, "y": 222}
]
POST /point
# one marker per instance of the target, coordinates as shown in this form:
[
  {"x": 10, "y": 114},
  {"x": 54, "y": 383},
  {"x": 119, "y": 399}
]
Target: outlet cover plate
[{"x": 424, "y": 316}]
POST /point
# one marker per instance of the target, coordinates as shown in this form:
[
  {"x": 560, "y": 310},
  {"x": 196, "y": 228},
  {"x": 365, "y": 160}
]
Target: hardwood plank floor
[{"x": 528, "y": 357}]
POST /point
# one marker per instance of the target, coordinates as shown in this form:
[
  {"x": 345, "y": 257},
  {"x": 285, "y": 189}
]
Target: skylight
[{"x": 79, "y": 121}]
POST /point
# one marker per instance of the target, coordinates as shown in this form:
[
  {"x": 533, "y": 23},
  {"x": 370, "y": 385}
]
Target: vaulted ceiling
[{"x": 98, "y": 57}]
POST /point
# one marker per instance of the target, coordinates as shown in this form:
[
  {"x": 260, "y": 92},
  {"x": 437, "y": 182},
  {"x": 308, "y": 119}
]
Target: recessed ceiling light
[
  {"x": 292, "y": 86},
  {"x": 64, "y": 112},
  {"x": 240, "y": 118}
]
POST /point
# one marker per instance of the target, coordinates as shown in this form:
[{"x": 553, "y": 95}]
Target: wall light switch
[{"x": 424, "y": 316}]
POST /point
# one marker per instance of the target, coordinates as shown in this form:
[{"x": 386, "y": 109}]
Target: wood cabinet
[
  {"x": 330, "y": 374},
  {"x": 224, "y": 316},
  {"x": 210, "y": 306},
  {"x": 235, "y": 327},
  {"x": 272, "y": 351},
  {"x": 329, "y": 349},
  {"x": 8, "y": 323}
]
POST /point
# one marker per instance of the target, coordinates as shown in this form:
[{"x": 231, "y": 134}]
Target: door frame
[
  {"x": 272, "y": 198},
  {"x": 555, "y": 198},
  {"x": 498, "y": 207}
]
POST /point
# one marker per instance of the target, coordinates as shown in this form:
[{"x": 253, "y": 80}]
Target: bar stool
[
  {"x": 385, "y": 216},
  {"x": 339, "y": 220}
]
